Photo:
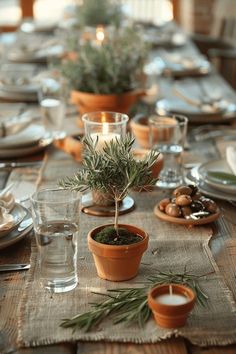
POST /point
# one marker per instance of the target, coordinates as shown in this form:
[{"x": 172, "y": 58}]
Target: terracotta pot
[
  {"x": 117, "y": 263},
  {"x": 90, "y": 102},
  {"x": 171, "y": 316},
  {"x": 140, "y": 130},
  {"x": 157, "y": 167}
]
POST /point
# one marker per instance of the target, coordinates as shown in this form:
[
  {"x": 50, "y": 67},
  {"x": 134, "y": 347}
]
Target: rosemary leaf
[
  {"x": 226, "y": 178},
  {"x": 129, "y": 305}
]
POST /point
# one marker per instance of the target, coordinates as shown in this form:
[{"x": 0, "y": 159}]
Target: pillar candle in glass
[{"x": 104, "y": 127}]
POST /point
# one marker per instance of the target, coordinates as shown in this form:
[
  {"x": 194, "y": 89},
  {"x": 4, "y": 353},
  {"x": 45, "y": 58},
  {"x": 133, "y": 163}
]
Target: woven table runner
[{"x": 171, "y": 247}]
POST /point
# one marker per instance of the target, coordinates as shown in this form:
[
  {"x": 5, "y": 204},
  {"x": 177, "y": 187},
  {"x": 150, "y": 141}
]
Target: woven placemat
[{"x": 171, "y": 247}]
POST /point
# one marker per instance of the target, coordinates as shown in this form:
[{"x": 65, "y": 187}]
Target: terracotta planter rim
[{"x": 137, "y": 91}]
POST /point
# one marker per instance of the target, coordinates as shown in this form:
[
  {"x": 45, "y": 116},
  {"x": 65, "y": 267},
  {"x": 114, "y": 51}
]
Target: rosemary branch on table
[{"x": 129, "y": 305}]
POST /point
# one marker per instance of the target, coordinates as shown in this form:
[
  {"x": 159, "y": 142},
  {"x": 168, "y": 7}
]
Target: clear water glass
[
  {"x": 52, "y": 100},
  {"x": 56, "y": 224},
  {"x": 168, "y": 135}
]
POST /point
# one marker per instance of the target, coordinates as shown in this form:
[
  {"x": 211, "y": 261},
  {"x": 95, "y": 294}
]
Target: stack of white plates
[
  {"x": 29, "y": 141},
  {"x": 212, "y": 186}
]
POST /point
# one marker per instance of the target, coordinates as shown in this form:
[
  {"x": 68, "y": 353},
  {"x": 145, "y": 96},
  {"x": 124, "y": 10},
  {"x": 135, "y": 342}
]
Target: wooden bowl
[{"x": 181, "y": 221}]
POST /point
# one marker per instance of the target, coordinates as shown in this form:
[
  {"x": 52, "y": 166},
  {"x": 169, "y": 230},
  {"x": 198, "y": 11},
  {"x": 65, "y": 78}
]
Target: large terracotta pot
[
  {"x": 90, "y": 102},
  {"x": 117, "y": 263},
  {"x": 170, "y": 315}
]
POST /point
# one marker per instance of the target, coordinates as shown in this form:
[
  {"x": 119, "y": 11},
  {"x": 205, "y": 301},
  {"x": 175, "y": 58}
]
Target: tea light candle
[
  {"x": 171, "y": 299},
  {"x": 104, "y": 137}
]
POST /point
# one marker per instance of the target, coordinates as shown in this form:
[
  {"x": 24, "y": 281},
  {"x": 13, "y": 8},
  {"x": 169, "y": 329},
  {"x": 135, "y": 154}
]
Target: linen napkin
[
  {"x": 16, "y": 124},
  {"x": 231, "y": 158}
]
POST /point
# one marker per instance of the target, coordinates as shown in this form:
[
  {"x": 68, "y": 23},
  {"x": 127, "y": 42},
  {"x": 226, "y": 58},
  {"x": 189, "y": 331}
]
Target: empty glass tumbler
[
  {"x": 52, "y": 100},
  {"x": 167, "y": 135},
  {"x": 56, "y": 224}
]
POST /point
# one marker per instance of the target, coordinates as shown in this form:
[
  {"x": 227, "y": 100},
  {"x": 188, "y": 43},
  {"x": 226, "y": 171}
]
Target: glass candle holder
[{"x": 104, "y": 127}]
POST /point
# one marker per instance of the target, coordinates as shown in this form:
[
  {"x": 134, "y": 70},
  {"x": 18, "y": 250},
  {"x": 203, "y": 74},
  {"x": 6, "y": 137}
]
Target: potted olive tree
[
  {"x": 102, "y": 12},
  {"x": 107, "y": 76},
  {"x": 117, "y": 248}
]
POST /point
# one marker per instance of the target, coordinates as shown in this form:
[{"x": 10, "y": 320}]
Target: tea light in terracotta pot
[
  {"x": 171, "y": 304},
  {"x": 103, "y": 127}
]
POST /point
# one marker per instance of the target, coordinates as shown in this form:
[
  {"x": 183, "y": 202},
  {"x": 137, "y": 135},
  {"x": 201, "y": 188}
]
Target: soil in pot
[{"x": 109, "y": 236}]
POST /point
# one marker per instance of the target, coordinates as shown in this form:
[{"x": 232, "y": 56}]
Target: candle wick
[{"x": 170, "y": 290}]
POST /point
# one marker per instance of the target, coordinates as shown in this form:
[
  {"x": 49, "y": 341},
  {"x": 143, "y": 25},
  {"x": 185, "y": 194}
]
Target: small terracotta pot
[
  {"x": 121, "y": 262},
  {"x": 157, "y": 167},
  {"x": 140, "y": 130},
  {"x": 90, "y": 102},
  {"x": 171, "y": 316}
]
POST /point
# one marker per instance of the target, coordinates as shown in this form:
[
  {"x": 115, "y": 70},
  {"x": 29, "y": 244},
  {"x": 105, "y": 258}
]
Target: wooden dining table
[{"x": 222, "y": 245}]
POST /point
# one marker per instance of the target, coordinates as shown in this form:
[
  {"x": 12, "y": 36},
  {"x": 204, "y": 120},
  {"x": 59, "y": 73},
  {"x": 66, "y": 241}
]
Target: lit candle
[
  {"x": 104, "y": 137},
  {"x": 100, "y": 35},
  {"x": 171, "y": 299}
]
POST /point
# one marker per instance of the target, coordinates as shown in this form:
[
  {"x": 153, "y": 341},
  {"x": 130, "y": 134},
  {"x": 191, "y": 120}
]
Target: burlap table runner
[{"x": 171, "y": 247}]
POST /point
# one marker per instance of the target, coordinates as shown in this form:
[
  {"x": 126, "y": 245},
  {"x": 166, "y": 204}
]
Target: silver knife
[
  {"x": 13, "y": 267},
  {"x": 7, "y": 165}
]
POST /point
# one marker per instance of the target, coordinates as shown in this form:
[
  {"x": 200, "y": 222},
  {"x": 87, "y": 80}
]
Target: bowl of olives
[{"x": 187, "y": 206}]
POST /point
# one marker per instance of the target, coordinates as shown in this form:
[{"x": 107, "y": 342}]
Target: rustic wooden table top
[{"x": 223, "y": 246}]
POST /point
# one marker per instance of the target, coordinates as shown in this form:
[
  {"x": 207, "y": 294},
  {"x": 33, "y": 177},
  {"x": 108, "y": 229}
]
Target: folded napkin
[
  {"x": 7, "y": 201},
  {"x": 231, "y": 158},
  {"x": 6, "y": 220},
  {"x": 15, "y": 124}
]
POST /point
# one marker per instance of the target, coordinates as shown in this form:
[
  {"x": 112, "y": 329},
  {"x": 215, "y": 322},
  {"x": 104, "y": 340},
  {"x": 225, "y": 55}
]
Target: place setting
[
  {"x": 201, "y": 101},
  {"x": 15, "y": 219},
  {"x": 179, "y": 65},
  {"x": 22, "y": 135},
  {"x": 17, "y": 82},
  {"x": 35, "y": 48},
  {"x": 217, "y": 178}
]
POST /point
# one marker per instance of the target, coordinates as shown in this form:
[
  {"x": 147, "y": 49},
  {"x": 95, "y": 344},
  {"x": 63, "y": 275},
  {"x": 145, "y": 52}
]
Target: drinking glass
[
  {"x": 56, "y": 224},
  {"x": 52, "y": 97},
  {"x": 104, "y": 127},
  {"x": 167, "y": 135}
]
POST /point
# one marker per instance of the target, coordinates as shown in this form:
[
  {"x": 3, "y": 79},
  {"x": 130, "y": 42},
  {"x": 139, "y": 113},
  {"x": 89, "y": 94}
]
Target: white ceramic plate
[
  {"x": 206, "y": 189},
  {"x": 220, "y": 166},
  {"x": 195, "y": 115},
  {"x": 18, "y": 213},
  {"x": 19, "y": 232},
  {"x": 25, "y": 151},
  {"x": 29, "y": 136}
]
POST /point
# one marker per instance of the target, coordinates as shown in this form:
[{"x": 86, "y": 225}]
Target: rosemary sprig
[{"x": 129, "y": 305}]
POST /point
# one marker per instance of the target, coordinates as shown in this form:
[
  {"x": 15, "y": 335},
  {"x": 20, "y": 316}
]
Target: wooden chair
[{"x": 221, "y": 51}]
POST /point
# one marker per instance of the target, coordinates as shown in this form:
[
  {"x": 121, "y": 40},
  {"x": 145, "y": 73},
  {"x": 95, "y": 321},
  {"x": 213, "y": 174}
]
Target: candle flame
[
  {"x": 105, "y": 128},
  {"x": 100, "y": 35}
]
